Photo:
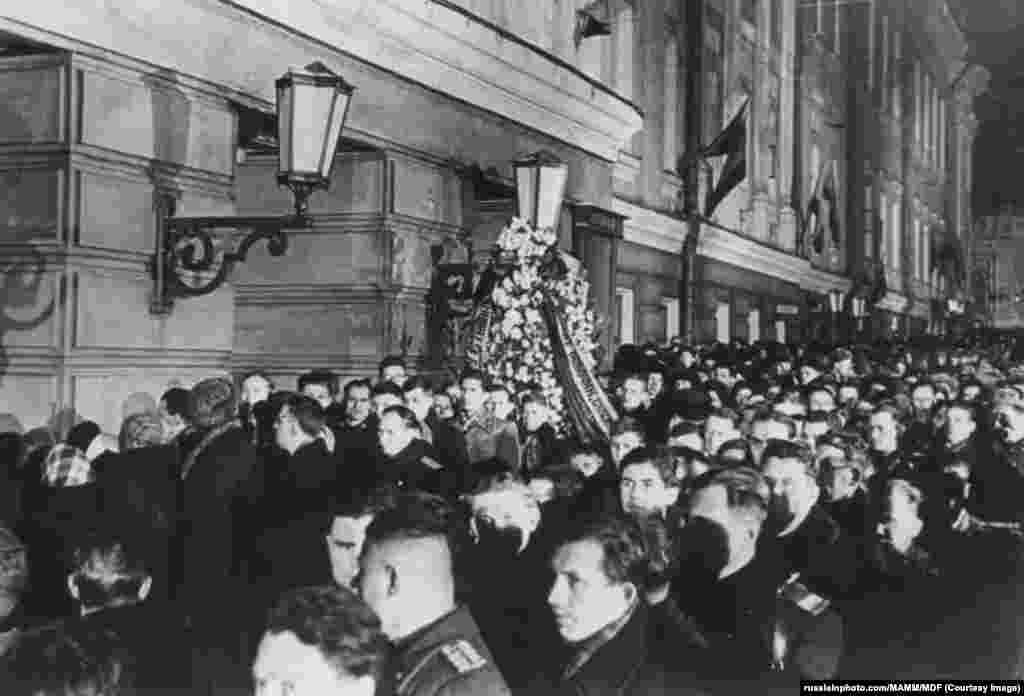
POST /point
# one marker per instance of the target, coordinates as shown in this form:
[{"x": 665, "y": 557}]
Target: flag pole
[{"x": 691, "y": 174}]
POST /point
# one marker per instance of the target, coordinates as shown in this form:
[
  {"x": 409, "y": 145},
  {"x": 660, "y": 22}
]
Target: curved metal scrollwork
[{"x": 189, "y": 263}]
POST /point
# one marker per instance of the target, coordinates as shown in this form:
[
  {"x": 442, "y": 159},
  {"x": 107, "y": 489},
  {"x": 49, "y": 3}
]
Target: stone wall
[{"x": 87, "y": 146}]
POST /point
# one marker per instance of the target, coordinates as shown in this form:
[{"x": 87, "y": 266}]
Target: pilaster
[
  {"x": 352, "y": 287},
  {"x": 88, "y": 145}
]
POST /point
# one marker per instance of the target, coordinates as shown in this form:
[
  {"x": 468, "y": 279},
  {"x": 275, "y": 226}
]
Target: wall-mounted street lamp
[
  {"x": 540, "y": 188},
  {"x": 835, "y": 306},
  {"x": 835, "y": 301},
  {"x": 311, "y": 110},
  {"x": 859, "y": 307}
]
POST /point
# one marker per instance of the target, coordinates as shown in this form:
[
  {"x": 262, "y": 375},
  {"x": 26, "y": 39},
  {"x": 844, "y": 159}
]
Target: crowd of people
[{"x": 761, "y": 514}]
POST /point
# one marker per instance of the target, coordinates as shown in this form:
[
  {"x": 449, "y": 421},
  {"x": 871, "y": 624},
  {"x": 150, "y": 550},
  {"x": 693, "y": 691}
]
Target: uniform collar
[{"x": 458, "y": 623}]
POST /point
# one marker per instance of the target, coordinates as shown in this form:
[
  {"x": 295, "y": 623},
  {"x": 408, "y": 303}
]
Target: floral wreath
[{"x": 520, "y": 354}]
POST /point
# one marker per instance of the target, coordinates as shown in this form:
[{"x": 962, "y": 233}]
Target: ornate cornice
[
  {"x": 434, "y": 44},
  {"x": 650, "y": 228}
]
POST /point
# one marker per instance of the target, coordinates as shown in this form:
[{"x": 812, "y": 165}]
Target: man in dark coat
[
  {"x": 219, "y": 494},
  {"x": 110, "y": 584},
  {"x": 512, "y": 615},
  {"x": 296, "y": 508},
  {"x": 540, "y": 444},
  {"x": 407, "y": 578},
  {"x": 602, "y": 618},
  {"x": 408, "y": 461},
  {"x": 140, "y": 494},
  {"x": 448, "y": 440},
  {"x": 487, "y": 435},
  {"x": 356, "y": 435},
  {"x": 804, "y": 538}
]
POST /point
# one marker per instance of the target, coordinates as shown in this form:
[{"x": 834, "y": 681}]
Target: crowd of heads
[{"x": 808, "y": 465}]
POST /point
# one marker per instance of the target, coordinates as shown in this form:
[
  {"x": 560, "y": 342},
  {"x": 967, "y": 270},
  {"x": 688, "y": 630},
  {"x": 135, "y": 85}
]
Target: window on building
[
  {"x": 625, "y": 309},
  {"x": 895, "y": 236},
  {"x": 723, "y": 316},
  {"x": 926, "y": 251},
  {"x": 754, "y": 325},
  {"x": 671, "y": 113},
  {"x": 671, "y": 305},
  {"x": 943, "y": 164},
  {"x": 883, "y": 64},
  {"x": 714, "y": 69},
  {"x": 919, "y": 249},
  {"x": 896, "y": 75},
  {"x": 780, "y": 330},
  {"x": 883, "y": 215},
  {"x": 869, "y": 222},
  {"x": 917, "y": 87}
]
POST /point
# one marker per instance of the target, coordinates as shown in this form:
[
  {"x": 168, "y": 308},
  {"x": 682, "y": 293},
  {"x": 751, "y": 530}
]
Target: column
[{"x": 596, "y": 235}]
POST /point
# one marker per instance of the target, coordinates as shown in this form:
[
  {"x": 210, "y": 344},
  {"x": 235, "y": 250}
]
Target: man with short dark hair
[
  {"x": 447, "y": 439},
  {"x": 173, "y": 412},
  {"x": 346, "y": 529},
  {"x": 721, "y": 426},
  {"x": 320, "y": 385},
  {"x": 807, "y": 540},
  {"x": 111, "y": 584},
  {"x": 487, "y": 436},
  {"x": 598, "y": 602},
  {"x": 648, "y": 485},
  {"x": 319, "y": 641},
  {"x": 407, "y": 577},
  {"x": 392, "y": 369},
  {"x": 356, "y": 435},
  {"x": 308, "y": 480},
  {"x": 409, "y": 461},
  {"x": 723, "y": 582}
]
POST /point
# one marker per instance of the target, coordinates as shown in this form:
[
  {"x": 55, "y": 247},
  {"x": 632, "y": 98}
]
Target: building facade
[
  {"x": 865, "y": 106},
  {"x": 998, "y": 266},
  {"x": 113, "y": 108}
]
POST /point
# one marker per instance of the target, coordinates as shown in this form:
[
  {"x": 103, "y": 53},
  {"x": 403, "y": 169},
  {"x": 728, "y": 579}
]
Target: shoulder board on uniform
[
  {"x": 797, "y": 593},
  {"x": 463, "y": 656},
  {"x": 431, "y": 463}
]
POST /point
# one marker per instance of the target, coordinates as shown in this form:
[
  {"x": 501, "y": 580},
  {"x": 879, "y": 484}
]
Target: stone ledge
[
  {"x": 650, "y": 228},
  {"x": 270, "y": 294},
  {"x": 738, "y": 250}
]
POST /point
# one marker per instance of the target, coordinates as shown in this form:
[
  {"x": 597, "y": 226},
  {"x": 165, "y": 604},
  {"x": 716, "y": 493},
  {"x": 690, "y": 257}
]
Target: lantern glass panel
[
  {"x": 285, "y": 113},
  {"x": 526, "y": 193},
  {"x": 309, "y": 126},
  {"x": 339, "y": 113},
  {"x": 552, "y": 191}
]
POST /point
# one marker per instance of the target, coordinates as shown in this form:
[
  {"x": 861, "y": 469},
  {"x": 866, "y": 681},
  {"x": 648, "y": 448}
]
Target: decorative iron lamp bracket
[
  {"x": 186, "y": 246},
  {"x": 312, "y": 106}
]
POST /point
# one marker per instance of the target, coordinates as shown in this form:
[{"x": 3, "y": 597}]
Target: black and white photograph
[{"x": 511, "y": 347}]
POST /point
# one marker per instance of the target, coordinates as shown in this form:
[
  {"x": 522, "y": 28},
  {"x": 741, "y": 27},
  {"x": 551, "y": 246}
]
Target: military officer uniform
[{"x": 446, "y": 658}]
